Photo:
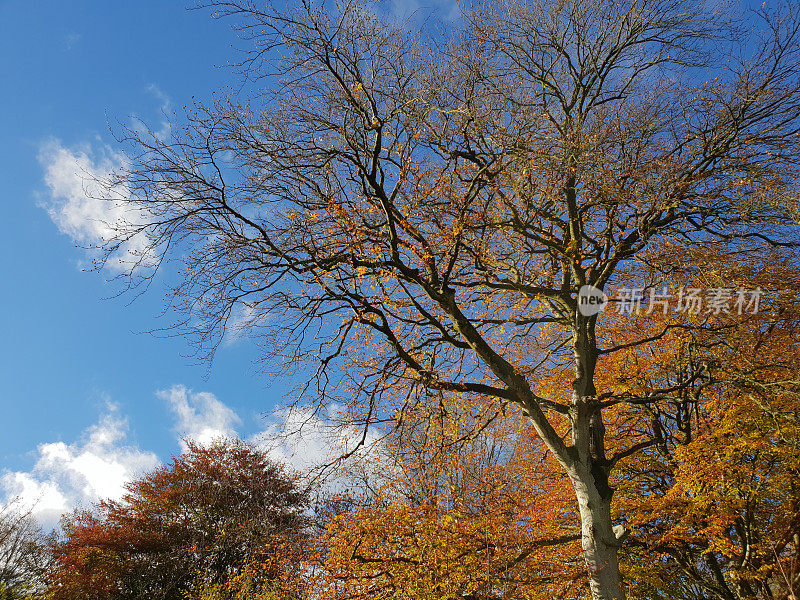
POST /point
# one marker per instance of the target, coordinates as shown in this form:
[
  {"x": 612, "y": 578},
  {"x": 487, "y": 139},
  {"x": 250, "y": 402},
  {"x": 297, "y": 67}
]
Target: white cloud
[
  {"x": 85, "y": 208},
  {"x": 100, "y": 463},
  {"x": 298, "y": 438},
  {"x": 200, "y": 416},
  {"x": 44, "y": 497},
  {"x": 65, "y": 475},
  {"x": 305, "y": 442}
]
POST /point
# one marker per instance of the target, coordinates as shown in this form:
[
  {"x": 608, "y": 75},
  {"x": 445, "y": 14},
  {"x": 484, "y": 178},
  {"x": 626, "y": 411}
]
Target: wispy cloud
[
  {"x": 72, "y": 39},
  {"x": 166, "y": 109},
  {"x": 243, "y": 318},
  {"x": 200, "y": 416},
  {"x": 417, "y": 10},
  {"x": 67, "y": 475},
  {"x": 84, "y": 207}
]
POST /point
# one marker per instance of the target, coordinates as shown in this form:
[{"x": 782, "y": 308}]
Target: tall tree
[
  {"x": 203, "y": 517},
  {"x": 426, "y": 214}
]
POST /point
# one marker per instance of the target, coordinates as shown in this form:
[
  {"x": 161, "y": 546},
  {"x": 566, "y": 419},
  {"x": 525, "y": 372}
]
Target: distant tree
[
  {"x": 23, "y": 554},
  {"x": 417, "y": 215},
  {"x": 202, "y": 517}
]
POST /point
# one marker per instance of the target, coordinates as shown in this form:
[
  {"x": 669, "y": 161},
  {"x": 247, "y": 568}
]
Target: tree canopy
[
  {"x": 200, "y": 518},
  {"x": 22, "y": 560},
  {"x": 415, "y": 218}
]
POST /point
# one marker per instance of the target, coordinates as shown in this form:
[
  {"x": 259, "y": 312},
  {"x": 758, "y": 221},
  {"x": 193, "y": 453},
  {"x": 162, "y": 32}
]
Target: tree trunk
[
  {"x": 599, "y": 540},
  {"x": 589, "y": 468}
]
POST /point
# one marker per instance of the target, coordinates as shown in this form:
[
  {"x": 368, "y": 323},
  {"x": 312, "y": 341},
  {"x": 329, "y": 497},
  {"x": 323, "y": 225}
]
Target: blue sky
[{"x": 87, "y": 398}]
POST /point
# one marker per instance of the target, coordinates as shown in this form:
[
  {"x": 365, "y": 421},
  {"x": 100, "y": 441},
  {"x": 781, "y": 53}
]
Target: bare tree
[{"x": 416, "y": 215}]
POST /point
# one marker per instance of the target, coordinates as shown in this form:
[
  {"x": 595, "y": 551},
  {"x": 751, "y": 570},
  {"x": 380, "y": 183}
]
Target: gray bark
[
  {"x": 598, "y": 538},
  {"x": 589, "y": 470}
]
